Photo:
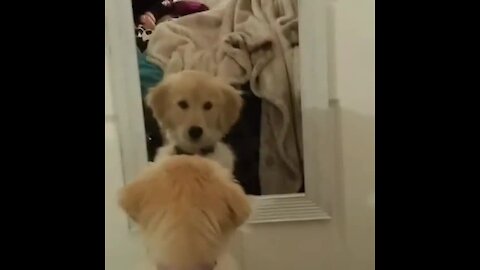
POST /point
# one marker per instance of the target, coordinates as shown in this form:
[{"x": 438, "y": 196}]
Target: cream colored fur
[
  {"x": 180, "y": 102},
  {"x": 187, "y": 209}
]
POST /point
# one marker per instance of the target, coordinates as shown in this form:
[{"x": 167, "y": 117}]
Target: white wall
[
  {"x": 355, "y": 40},
  {"x": 122, "y": 250}
]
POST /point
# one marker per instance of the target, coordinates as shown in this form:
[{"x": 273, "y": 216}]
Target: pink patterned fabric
[
  {"x": 169, "y": 7},
  {"x": 182, "y": 8}
]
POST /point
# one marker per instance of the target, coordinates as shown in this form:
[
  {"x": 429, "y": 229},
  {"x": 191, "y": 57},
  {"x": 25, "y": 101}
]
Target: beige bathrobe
[{"x": 244, "y": 41}]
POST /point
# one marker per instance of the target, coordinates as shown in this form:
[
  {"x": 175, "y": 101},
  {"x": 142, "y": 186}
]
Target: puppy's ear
[
  {"x": 133, "y": 197},
  {"x": 145, "y": 197},
  {"x": 232, "y": 108},
  {"x": 238, "y": 205},
  {"x": 157, "y": 99}
]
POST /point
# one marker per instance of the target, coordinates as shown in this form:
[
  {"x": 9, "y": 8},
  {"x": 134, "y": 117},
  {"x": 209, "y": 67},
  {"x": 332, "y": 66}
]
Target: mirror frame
[{"x": 317, "y": 99}]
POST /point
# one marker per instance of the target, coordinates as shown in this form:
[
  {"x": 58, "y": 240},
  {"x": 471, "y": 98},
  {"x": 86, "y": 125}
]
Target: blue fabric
[{"x": 150, "y": 74}]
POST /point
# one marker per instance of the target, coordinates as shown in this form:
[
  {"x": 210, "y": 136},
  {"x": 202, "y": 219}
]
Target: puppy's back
[{"x": 189, "y": 209}]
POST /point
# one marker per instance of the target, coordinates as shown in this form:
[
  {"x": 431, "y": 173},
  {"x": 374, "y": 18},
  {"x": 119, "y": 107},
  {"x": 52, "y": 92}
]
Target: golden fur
[
  {"x": 193, "y": 98},
  {"x": 187, "y": 207}
]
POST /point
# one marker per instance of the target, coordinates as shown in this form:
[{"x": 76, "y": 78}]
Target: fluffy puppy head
[
  {"x": 186, "y": 207},
  {"x": 195, "y": 108}
]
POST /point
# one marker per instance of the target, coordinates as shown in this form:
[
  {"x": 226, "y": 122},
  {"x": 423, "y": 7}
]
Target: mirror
[
  {"x": 299, "y": 188},
  {"x": 257, "y": 52}
]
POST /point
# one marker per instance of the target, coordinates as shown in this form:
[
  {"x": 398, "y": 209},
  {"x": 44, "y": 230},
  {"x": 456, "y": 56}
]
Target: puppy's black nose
[{"x": 195, "y": 132}]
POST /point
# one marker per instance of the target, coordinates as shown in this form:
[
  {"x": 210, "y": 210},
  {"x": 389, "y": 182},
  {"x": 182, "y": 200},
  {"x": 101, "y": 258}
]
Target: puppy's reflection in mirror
[{"x": 196, "y": 110}]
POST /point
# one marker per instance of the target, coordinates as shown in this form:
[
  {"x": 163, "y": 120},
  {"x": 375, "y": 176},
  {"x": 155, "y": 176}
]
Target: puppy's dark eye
[
  {"x": 207, "y": 106},
  {"x": 183, "y": 104}
]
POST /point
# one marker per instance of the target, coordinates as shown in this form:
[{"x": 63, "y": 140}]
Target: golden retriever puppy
[
  {"x": 196, "y": 110},
  {"x": 187, "y": 208}
]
